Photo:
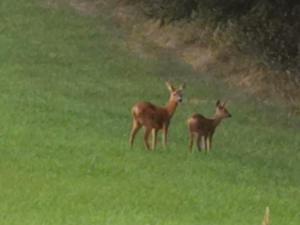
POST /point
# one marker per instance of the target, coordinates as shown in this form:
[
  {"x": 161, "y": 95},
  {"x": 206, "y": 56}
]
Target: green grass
[{"x": 67, "y": 84}]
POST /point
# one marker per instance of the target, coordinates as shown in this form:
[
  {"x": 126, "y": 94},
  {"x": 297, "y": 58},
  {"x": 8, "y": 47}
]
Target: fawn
[
  {"x": 202, "y": 129},
  {"x": 155, "y": 118}
]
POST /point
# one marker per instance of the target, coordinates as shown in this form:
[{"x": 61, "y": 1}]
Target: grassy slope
[{"x": 66, "y": 87}]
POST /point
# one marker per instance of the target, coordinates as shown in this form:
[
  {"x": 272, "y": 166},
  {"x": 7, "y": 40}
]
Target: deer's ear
[
  {"x": 170, "y": 86},
  {"x": 218, "y": 103},
  {"x": 182, "y": 86},
  {"x": 224, "y": 103}
]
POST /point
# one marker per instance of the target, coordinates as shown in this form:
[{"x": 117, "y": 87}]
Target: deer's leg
[
  {"x": 209, "y": 142},
  {"x": 135, "y": 128},
  {"x": 203, "y": 145},
  {"x": 165, "y": 136},
  {"x": 198, "y": 138},
  {"x": 191, "y": 143},
  {"x": 154, "y": 135},
  {"x": 146, "y": 137},
  {"x": 206, "y": 143}
]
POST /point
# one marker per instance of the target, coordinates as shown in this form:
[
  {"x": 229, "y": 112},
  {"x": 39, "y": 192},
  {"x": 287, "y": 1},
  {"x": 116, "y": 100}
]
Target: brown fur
[
  {"x": 154, "y": 118},
  {"x": 202, "y": 129}
]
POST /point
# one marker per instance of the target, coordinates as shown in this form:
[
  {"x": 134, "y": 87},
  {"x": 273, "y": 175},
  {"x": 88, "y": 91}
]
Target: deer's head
[
  {"x": 176, "y": 94},
  {"x": 221, "y": 110}
]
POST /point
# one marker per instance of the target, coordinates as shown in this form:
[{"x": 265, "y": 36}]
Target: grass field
[{"x": 67, "y": 83}]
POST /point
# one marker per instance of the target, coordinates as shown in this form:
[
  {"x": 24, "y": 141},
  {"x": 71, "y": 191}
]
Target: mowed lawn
[{"x": 67, "y": 83}]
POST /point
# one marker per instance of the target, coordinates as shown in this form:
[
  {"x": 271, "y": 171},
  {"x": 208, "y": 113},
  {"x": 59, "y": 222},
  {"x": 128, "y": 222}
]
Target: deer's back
[
  {"x": 200, "y": 124},
  {"x": 149, "y": 115}
]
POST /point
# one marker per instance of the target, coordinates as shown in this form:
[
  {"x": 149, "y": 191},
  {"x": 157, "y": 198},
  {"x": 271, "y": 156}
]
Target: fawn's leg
[
  {"x": 191, "y": 143},
  {"x": 154, "y": 135},
  {"x": 199, "y": 142},
  {"x": 146, "y": 137},
  {"x": 135, "y": 128}
]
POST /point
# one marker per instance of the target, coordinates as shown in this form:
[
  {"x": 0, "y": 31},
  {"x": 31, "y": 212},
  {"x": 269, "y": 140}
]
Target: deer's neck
[
  {"x": 171, "y": 107},
  {"x": 216, "y": 120}
]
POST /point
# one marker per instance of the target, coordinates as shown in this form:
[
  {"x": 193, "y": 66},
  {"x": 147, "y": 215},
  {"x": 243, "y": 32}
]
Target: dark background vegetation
[{"x": 268, "y": 29}]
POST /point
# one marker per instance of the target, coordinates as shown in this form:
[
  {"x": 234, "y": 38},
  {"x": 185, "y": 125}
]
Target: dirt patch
[
  {"x": 199, "y": 57},
  {"x": 90, "y": 8}
]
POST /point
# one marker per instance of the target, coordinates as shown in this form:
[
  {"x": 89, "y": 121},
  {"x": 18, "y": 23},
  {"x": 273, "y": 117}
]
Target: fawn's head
[
  {"x": 176, "y": 94},
  {"x": 221, "y": 110}
]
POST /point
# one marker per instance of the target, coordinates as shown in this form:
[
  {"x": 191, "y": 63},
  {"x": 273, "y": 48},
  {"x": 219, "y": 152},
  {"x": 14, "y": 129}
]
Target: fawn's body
[
  {"x": 154, "y": 118},
  {"x": 202, "y": 129}
]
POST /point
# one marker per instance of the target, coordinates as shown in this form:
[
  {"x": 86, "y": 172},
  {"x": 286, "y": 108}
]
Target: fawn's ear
[
  {"x": 218, "y": 103},
  {"x": 182, "y": 86},
  {"x": 170, "y": 86},
  {"x": 224, "y": 103}
]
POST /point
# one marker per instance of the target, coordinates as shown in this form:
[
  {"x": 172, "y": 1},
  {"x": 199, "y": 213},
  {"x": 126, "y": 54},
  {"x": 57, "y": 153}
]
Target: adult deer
[
  {"x": 202, "y": 129},
  {"x": 154, "y": 118}
]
